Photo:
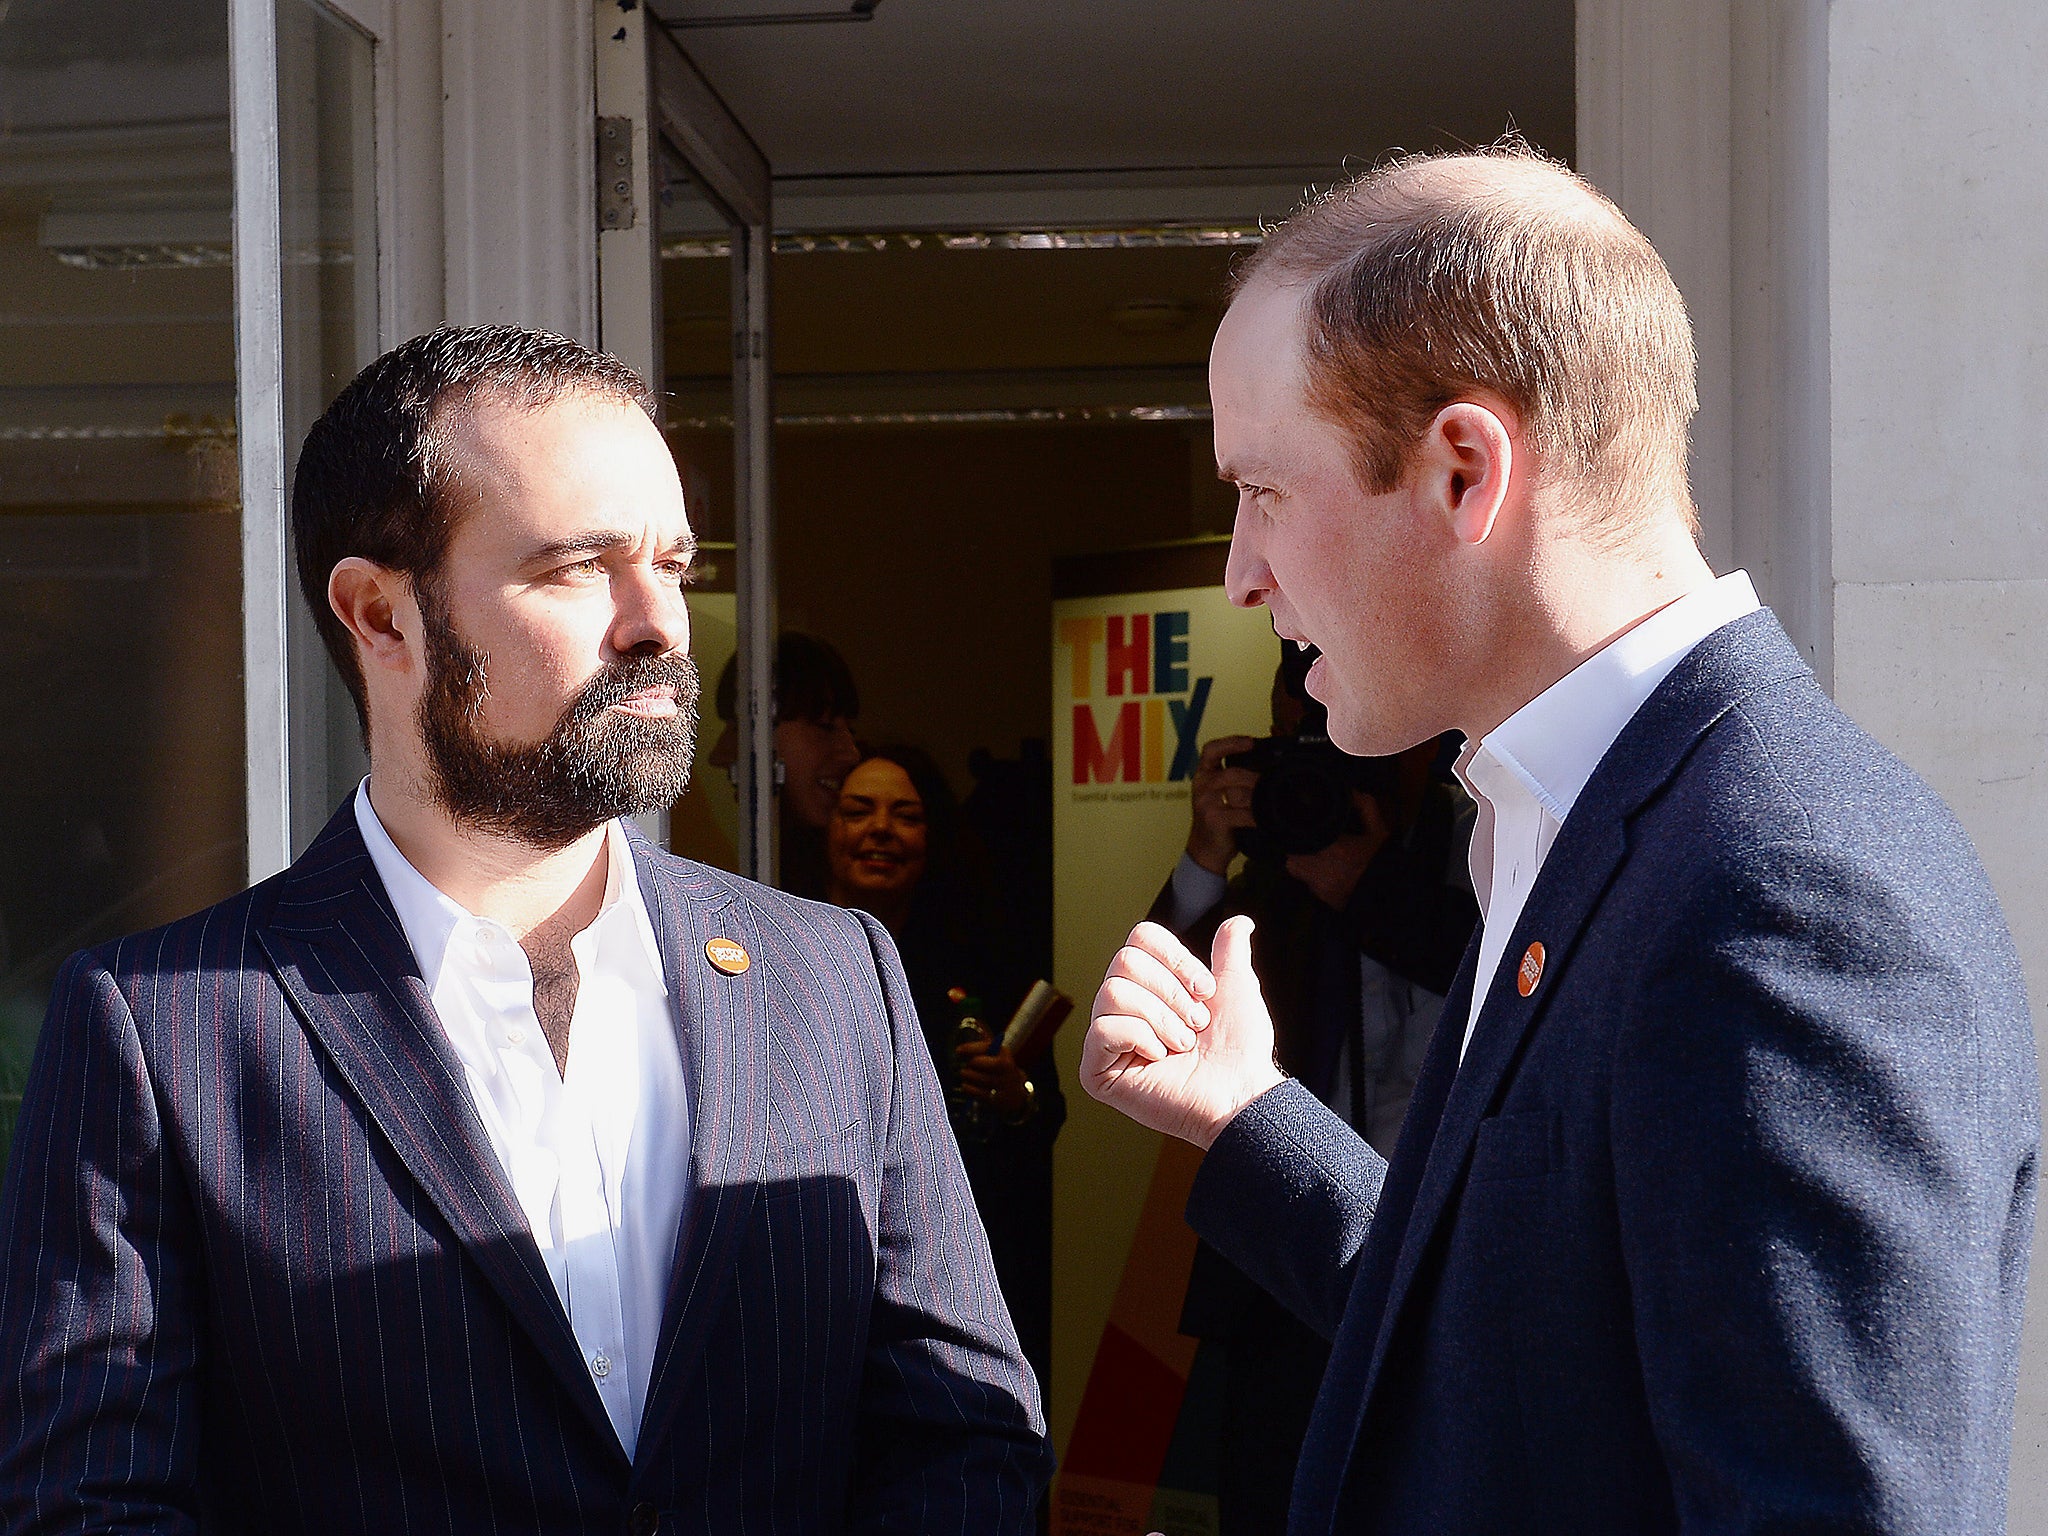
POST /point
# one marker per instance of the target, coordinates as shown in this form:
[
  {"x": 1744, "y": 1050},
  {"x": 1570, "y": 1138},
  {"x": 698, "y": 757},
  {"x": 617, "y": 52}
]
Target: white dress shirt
[
  {"x": 1528, "y": 772},
  {"x": 598, "y": 1156}
]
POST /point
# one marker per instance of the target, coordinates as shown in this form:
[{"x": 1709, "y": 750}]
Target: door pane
[
  {"x": 121, "y": 777},
  {"x": 328, "y": 237},
  {"x": 696, "y": 299}
]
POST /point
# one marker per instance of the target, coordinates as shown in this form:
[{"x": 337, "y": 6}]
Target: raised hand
[
  {"x": 1221, "y": 800},
  {"x": 1177, "y": 1045}
]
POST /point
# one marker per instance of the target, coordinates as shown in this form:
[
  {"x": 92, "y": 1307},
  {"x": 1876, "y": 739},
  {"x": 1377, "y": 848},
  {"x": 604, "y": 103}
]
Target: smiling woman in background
[{"x": 894, "y": 849}]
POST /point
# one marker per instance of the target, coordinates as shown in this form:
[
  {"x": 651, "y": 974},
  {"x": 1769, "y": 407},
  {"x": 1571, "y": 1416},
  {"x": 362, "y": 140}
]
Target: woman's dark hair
[
  {"x": 373, "y": 478},
  {"x": 812, "y": 682}
]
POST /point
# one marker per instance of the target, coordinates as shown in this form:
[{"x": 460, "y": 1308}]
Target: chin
[{"x": 1362, "y": 734}]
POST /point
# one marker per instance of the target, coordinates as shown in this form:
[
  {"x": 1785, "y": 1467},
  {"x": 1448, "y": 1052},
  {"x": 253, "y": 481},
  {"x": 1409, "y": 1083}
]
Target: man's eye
[
  {"x": 588, "y": 567},
  {"x": 679, "y": 572}
]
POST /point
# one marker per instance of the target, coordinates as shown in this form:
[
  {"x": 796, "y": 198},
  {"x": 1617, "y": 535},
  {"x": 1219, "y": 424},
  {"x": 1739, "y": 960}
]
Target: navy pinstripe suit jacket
[{"x": 262, "y": 1270}]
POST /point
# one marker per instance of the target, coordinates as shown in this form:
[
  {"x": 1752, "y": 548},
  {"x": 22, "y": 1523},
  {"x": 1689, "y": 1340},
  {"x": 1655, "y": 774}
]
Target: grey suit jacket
[{"x": 262, "y": 1271}]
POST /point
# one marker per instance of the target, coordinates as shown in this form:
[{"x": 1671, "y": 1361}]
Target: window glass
[
  {"x": 696, "y": 313},
  {"x": 328, "y": 237},
  {"x": 121, "y": 767}
]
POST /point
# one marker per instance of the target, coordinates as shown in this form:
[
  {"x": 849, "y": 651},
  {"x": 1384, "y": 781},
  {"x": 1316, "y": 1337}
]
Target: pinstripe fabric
[{"x": 262, "y": 1272}]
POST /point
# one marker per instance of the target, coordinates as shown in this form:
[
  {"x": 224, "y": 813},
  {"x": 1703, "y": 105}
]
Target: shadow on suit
[{"x": 261, "y": 1267}]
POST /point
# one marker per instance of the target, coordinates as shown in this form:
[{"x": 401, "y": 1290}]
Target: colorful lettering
[
  {"x": 1187, "y": 727},
  {"x": 1081, "y": 636},
  {"x": 1127, "y": 654},
  {"x": 1106, "y": 762},
  {"x": 1170, "y": 652}
]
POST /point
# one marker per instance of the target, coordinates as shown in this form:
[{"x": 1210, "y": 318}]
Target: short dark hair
[
  {"x": 812, "y": 682},
  {"x": 372, "y": 479}
]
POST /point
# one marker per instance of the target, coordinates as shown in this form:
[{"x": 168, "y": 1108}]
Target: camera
[{"x": 1302, "y": 802}]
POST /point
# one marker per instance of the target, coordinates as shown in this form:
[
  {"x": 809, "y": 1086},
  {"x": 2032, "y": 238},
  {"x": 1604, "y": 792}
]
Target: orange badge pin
[
  {"x": 729, "y": 957},
  {"x": 1531, "y": 971}
]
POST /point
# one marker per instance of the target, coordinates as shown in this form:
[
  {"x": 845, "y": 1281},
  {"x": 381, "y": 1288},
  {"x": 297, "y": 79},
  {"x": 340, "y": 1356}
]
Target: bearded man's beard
[{"x": 597, "y": 762}]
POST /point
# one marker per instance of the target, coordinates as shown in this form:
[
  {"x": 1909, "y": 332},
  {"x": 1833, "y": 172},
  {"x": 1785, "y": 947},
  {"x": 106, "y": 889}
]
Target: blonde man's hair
[{"x": 1435, "y": 278}]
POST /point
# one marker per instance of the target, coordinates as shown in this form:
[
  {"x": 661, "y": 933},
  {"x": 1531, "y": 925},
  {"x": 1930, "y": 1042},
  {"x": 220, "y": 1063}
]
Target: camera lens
[{"x": 1303, "y": 801}]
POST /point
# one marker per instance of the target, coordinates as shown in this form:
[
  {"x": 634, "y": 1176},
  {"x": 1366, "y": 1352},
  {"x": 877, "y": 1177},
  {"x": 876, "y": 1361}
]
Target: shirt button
[
  {"x": 600, "y": 1365},
  {"x": 515, "y": 1037}
]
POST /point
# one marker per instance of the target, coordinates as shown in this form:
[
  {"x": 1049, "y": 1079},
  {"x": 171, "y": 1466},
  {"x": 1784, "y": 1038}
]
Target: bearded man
[{"x": 490, "y": 1169}]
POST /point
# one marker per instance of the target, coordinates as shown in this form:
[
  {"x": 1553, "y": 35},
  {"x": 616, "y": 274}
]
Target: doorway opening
[{"x": 1004, "y": 236}]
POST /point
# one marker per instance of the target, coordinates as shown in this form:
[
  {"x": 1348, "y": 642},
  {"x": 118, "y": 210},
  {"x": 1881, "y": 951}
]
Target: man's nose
[
  {"x": 652, "y": 619},
  {"x": 1245, "y": 576}
]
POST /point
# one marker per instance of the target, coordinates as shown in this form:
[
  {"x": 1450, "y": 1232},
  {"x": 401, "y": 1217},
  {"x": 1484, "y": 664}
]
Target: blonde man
[{"x": 1712, "y": 1207}]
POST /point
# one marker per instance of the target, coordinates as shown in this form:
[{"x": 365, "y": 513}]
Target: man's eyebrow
[{"x": 599, "y": 541}]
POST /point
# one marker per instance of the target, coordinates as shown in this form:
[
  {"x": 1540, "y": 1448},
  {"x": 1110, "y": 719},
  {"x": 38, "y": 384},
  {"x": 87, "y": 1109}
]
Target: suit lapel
[
  {"x": 1739, "y": 659},
  {"x": 722, "y": 1021},
  {"x": 345, "y": 965}
]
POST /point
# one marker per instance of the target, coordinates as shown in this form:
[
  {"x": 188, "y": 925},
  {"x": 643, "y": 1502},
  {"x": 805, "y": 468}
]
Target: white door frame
[
  {"x": 700, "y": 130},
  {"x": 259, "y": 396}
]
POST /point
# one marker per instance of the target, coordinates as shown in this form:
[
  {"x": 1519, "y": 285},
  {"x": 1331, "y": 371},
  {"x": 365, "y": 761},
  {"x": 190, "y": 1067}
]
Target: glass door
[
  {"x": 716, "y": 208},
  {"x": 328, "y": 321},
  {"x": 121, "y": 769}
]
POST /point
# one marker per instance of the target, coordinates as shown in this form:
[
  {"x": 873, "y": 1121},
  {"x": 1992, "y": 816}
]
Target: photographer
[{"x": 1355, "y": 872}]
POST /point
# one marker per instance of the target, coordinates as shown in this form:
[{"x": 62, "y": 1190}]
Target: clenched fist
[{"x": 1177, "y": 1045}]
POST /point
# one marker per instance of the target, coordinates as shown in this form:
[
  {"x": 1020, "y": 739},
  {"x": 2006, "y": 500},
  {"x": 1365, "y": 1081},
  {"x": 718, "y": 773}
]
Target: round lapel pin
[
  {"x": 729, "y": 957},
  {"x": 1531, "y": 970}
]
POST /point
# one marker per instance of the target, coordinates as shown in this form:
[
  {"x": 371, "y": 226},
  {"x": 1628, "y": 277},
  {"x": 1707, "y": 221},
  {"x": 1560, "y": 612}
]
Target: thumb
[{"x": 1230, "y": 958}]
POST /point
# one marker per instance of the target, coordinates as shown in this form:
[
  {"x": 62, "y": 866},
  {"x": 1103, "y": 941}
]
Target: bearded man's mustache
[{"x": 593, "y": 766}]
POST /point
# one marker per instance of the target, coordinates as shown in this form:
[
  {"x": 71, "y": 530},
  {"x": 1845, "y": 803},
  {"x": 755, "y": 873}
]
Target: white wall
[
  {"x": 1938, "y": 208},
  {"x": 1854, "y": 198},
  {"x": 518, "y": 164},
  {"x": 485, "y": 163}
]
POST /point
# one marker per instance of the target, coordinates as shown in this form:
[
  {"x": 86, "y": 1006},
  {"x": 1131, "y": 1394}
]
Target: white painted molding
[
  {"x": 411, "y": 211},
  {"x": 629, "y": 259},
  {"x": 372, "y": 17},
  {"x": 259, "y": 366},
  {"x": 518, "y": 147}
]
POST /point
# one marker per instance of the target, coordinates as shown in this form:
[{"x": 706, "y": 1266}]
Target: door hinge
[{"x": 614, "y": 173}]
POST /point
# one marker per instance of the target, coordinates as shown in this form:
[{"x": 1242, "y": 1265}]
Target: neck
[
  {"x": 514, "y": 883},
  {"x": 1573, "y": 600}
]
